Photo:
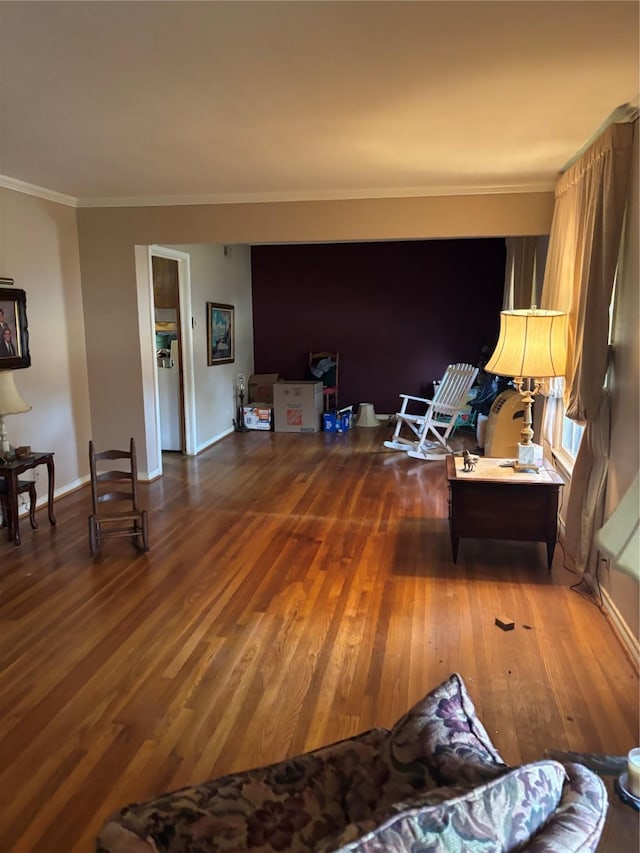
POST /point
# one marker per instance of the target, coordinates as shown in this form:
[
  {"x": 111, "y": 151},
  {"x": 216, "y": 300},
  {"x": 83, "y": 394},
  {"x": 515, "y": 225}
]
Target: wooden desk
[
  {"x": 495, "y": 502},
  {"x": 11, "y": 471}
]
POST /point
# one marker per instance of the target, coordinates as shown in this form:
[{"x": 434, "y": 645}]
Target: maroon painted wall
[{"x": 398, "y": 312}]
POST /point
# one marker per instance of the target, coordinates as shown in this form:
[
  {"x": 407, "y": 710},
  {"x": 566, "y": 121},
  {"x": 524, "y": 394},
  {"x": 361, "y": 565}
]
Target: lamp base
[
  {"x": 530, "y": 458},
  {"x": 5, "y": 447}
]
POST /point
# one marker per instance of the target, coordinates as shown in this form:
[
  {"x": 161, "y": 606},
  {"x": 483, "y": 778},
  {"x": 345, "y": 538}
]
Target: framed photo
[
  {"x": 14, "y": 329},
  {"x": 220, "y": 333}
]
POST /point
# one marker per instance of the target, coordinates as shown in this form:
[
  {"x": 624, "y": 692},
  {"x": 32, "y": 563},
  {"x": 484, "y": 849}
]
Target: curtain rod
[{"x": 624, "y": 114}]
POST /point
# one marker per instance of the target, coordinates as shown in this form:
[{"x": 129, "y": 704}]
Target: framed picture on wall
[
  {"x": 220, "y": 333},
  {"x": 14, "y": 329}
]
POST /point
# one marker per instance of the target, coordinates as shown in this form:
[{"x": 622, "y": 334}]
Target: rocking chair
[
  {"x": 120, "y": 488},
  {"x": 436, "y": 418}
]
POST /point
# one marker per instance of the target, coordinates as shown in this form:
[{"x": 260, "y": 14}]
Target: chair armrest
[{"x": 417, "y": 399}]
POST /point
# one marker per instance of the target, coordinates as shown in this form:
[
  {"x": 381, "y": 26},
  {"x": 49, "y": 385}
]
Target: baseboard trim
[
  {"x": 216, "y": 438},
  {"x": 43, "y": 499},
  {"x": 629, "y": 641}
]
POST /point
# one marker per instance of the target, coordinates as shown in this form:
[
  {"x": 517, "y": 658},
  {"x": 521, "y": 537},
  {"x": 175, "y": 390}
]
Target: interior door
[{"x": 169, "y": 352}]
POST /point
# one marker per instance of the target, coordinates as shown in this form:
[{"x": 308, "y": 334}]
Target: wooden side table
[
  {"x": 496, "y": 502},
  {"x": 11, "y": 471}
]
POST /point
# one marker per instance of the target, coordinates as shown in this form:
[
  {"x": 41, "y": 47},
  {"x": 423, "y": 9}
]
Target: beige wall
[
  {"x": 625, "y": 388},
  {"x": 39, "y": 250},
  {"x": 226, "y": 278}
]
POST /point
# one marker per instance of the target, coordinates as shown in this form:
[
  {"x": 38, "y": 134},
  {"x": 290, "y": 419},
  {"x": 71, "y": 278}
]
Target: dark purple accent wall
[{"x": 398, "y": 312}]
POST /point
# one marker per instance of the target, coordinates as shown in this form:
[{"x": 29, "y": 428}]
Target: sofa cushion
[
  {"x": 291, "y": 805},
  {"x": 441, "y": 741},
  {"x": 499, "y": 815}
]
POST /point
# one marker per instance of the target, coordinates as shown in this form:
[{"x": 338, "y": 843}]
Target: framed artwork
[
  {"x": 220, "y": 333},
  {"x": 14, "y": 329}
]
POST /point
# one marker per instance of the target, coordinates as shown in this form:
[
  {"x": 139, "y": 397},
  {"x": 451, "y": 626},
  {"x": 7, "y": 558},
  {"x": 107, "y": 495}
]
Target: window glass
[{"x": 571, "y": 436}]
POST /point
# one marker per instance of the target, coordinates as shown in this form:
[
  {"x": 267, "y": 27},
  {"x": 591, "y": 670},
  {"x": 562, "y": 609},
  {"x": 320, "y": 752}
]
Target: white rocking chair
[{"x": 438, "y": 417}]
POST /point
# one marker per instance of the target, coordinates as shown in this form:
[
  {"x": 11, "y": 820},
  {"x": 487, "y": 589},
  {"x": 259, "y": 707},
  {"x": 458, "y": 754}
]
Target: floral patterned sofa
[{"x": 433, "y": 783}]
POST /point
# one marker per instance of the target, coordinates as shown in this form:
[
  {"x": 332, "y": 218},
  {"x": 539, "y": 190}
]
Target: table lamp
[
  {"x": 531, "y": 348},
  {"x": 11, "y": 403}
]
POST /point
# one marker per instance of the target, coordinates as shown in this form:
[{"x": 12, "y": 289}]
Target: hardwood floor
[{"x": 299, "y": 589}]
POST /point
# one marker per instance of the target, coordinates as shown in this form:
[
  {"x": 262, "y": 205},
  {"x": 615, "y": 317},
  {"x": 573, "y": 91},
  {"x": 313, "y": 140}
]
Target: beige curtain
[
  {"x": 520, "y": 273},
  {"x": 581, "y": 262},
  {"x": 585, "y": 507}
]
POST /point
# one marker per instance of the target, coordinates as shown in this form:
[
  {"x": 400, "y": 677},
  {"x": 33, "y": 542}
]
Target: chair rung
[{"x": 106, "y": 518}]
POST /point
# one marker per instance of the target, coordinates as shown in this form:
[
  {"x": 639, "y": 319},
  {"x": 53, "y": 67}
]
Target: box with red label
[
  {"x": 258, "y": 416},
  {"x": 297, "y": 406}
]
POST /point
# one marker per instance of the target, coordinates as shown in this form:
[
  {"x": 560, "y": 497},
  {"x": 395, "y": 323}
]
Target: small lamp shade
[
  {"x": 619, "y": 538},
  {"x": 532, "y": 343},
  {"x": 11, "y": 403}
]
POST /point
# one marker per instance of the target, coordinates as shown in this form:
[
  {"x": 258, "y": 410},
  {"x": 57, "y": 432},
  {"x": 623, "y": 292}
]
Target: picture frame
[
  {"x": 220, "y": 333},
  {"x": 14, "y": 328}
]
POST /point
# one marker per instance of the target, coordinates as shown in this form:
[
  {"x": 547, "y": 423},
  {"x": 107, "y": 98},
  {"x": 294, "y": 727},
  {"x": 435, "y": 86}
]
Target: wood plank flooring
[{"x": 299, "y": 589}]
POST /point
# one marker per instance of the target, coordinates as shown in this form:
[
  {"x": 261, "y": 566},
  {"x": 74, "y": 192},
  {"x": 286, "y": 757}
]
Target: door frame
[{"x": 150, "y": 376}]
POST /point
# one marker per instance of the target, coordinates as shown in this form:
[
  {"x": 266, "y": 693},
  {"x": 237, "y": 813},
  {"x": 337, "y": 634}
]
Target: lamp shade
[
  {"x": 619, "y": 538},
  {"x": 532, "y": 343},
  {"x": 11, "y": 403}
]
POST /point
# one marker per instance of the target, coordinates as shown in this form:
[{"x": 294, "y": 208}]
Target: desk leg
[
  {"x": 51, "y": 473},
  {"x": 12, "y": 503},
  {"x": 551, "y": 546},
  {"x": 455, "y": 541}
]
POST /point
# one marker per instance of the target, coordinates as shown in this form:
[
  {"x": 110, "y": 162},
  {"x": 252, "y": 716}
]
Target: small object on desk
[
  {"x": 22, "y": 452},
  {"x": 505, "y": 624},
  {"x": 623, "y": 789},
  {"x": 469, "y": 461},
  {"x": 633, "y": 771}
]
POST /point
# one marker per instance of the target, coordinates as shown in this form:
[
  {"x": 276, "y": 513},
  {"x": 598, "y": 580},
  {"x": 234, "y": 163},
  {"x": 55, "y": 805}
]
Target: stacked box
[
  {"x": 261, "y": 387},
  {"x": 258, "y": 416},
  {"x": 297, "y": 406},
  {"x": 339, "y": 420}
]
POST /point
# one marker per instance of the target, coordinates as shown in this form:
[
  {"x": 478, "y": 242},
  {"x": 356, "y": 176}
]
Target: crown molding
[
  {"x": 273, "y": 197},
  {"x": 624, "y": 114},
  {"x": 41, "y": 192},
  {"x": 323, "y": 195}
]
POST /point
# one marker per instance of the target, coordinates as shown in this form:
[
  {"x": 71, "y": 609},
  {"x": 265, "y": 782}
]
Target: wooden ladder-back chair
[
  {"x": 436, "y": 420},
  {"x": 328, "y": 376},
  {"x": 118, "y": 488}
]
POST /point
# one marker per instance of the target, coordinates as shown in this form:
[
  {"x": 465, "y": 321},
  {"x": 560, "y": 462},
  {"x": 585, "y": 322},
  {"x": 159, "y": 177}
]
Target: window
[
  {"x": 571, "y": 436},
  {"x": 568, "y": 432}
]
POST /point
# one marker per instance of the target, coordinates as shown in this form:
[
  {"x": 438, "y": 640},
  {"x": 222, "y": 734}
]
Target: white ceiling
[{"x": 161, "y": 102}]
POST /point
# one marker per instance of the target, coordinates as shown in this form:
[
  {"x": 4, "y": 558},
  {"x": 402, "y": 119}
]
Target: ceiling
[{"x": 182, "y": 102}]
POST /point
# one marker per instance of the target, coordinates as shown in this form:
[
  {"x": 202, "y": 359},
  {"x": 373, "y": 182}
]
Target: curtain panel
[
  {"x": 520, "y": 269},
  {"x": 583, "y": 253},
  {"x": 584, "y": 248}
]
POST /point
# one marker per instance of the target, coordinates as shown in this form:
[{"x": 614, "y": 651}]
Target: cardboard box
[
  {"x": 261, "y": 387},
  {"x": 297, "y": 406},
  {"x": 258, "y": 416},
  {"x": 338, "y": 420}
]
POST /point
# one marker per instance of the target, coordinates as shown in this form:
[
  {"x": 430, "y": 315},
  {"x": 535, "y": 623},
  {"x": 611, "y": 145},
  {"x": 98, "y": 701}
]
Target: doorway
[
  {"x": 166, "y": 311},
  {"x": 183, "y": 349}
]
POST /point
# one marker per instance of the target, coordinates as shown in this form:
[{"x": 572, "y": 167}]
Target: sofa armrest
[{"x": 577, "y": 823}]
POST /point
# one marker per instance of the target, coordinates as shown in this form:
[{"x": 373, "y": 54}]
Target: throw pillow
[{"x": 441, "y": 741}]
